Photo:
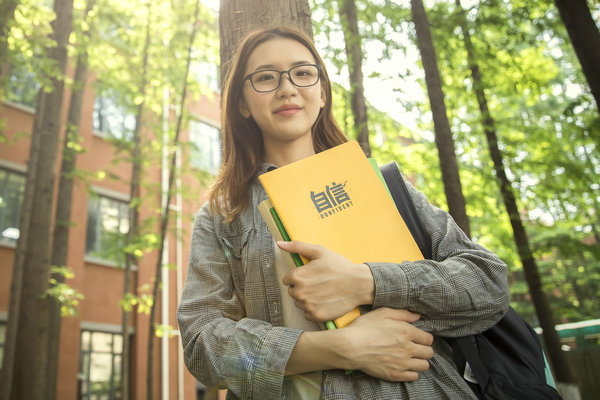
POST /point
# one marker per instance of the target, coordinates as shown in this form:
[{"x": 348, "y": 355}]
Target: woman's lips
[{"x": 287, "y": 110}]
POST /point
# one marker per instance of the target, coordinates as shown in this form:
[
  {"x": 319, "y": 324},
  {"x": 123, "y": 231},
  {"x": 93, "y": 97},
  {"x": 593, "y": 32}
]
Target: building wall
[{"x": 101, "y": 283}]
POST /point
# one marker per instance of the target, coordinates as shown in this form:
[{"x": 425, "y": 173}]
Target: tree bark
[
  {"x": 62, "y": 221},
  {"x": 10, "y": 340},
  {"x": 132, "y": 233},
  {"x": 585, "y": 38},
  {"x": 354, "y": 55},
  {"x": 239, "y": 17},
  {"x": 443, "y": 134},
  {"x": 532, "y": 276},
  {"x": 30, "y": 353},
  {"x": 164, "y": 221}
]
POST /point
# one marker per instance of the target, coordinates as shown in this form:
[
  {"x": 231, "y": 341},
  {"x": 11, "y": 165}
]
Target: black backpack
[{"x": 507, "y": 360}]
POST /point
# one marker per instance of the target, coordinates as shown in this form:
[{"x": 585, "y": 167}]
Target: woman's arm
[
  {"x": 221, "y": 347},
  {"x": 462, "y": 290},
  {"x": 383, "y": 343}
]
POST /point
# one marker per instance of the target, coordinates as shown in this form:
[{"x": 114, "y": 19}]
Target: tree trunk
[
  {"x": 585, "y": 38},
  {"x": 239, "y": 17},
  {"x": 443, "y": 135},
  {"x": 10, "y": 340},
  {"x": 354, "y": 56},
  {"x": 62, "y": 222},
  {"x": 30, "y": 353},
  {"x": 134, "y": 193},
  {"x": 164, "y": 221},
  {"x": 532, "y": 276},
  {"x": 7, "y": 15}
]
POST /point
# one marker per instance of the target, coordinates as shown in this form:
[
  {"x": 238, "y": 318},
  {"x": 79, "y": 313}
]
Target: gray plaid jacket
[{"x": 230, "y": 314}]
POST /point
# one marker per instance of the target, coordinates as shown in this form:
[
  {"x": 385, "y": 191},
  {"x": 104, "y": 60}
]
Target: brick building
[{"x": 90, "y": 344}]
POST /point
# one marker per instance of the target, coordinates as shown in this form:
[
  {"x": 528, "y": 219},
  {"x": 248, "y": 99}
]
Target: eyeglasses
[{"x": 268, "y": 80}]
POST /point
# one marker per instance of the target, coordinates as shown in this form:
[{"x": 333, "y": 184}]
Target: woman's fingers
[
  {"x": 308, "y": 250},
  {"x": 422, "y": 352},
  {"x": 418, "y": 365},
  {"x": 420, "y": 336}
]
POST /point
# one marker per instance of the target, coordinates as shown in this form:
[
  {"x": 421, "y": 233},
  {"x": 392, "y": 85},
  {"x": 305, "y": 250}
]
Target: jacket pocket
[{"x": 235, "y": 249}]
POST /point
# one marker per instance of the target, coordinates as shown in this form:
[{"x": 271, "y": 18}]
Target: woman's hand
[
  {"x": 385, "y": 344},
  {"x": 329, "y": 285},
  {"x": 382, "y": 343}
]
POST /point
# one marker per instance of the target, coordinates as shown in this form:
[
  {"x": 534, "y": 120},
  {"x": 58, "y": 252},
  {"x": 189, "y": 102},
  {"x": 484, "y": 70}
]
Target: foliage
[
  {"x": 65, "y": 295},
  {"x": 546, "y": 119},
  {"x": 142, "y": 303},
  {"x": 114, "y": 43},
  {"x": 166, "y": 330},
  {"x": 532, "y": 82}
]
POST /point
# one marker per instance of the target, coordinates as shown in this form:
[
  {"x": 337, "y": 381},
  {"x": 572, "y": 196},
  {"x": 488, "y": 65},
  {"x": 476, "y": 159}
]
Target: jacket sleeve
[
  {"x": 223, "y": 348},
  {"x": 462, "y": 290}
]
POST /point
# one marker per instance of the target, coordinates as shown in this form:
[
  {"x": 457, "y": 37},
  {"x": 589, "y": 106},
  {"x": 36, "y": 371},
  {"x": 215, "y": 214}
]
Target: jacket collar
[{"x": 266, "y": 167}]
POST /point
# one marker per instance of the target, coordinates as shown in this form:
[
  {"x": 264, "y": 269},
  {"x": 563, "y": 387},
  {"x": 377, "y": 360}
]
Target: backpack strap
[
  {"x": 465, "y": 348},
  {"x": 406, "y": 207}
]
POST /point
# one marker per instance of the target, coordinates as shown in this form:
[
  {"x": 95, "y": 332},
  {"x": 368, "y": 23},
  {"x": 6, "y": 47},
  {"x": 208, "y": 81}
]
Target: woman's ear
[
  {"x": 323, "y": 96},
  {"x": 243, "y": 108}
]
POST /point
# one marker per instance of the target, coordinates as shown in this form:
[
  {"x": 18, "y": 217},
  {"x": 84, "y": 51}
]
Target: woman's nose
[{"x": 285, "y": 83}]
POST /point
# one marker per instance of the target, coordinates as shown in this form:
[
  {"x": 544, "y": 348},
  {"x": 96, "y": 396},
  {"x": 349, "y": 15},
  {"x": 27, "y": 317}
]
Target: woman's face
[{"x": 288, "y": 113}]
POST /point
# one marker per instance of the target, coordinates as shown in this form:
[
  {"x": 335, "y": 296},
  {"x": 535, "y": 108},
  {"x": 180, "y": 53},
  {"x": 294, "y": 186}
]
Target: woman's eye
[
  {"x": 264, "y": 77},
  {"x": 303, "y": 73}
]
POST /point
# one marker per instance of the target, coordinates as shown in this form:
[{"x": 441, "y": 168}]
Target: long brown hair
[{"x": 243, "y": 150}]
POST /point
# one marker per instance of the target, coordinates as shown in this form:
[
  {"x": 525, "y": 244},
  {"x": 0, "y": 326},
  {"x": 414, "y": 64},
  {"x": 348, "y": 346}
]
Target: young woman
[{"x": 249, "y": 324}]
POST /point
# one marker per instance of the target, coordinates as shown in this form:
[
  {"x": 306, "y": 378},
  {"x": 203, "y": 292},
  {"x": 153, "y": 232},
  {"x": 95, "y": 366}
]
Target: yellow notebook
[{"x": 336, "y": 199}]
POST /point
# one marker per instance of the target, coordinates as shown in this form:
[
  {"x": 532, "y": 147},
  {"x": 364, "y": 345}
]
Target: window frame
[
  {"x": 26, "y": 80},
  {"x": 205, "y": 72},
  {"x": 113, "y": 108},
  {"x": 97, "y": 192},
  {"x": 196, "y": 148},
  {"x": 12, "y": 169},
  {"x": 86, "y": 357}
]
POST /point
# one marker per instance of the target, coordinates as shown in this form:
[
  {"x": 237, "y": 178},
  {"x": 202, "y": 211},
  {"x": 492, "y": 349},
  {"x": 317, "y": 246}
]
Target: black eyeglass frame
[{"x": 249, "y": 77}]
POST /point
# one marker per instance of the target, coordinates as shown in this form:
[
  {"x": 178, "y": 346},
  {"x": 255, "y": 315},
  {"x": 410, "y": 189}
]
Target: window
[
  {"x": 12, "y": 185},
  {"x": 100, "y": 365},
  {"x": 205, "y": 151},
  {"x": 107, "y": 228},
  {"x": 111, "y": 119},
  {"x": 205, "y": 72},
  {"x": 22, "y": 87}
]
